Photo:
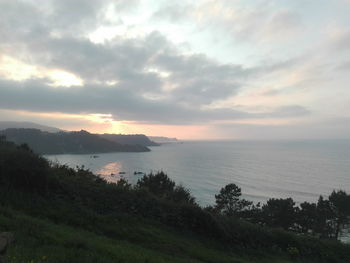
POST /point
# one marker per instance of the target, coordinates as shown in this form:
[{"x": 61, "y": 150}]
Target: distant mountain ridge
[
  {"x": 140, "y": 139},
  {"x": 133, "y": 139},
  {"x": 77, "y": 142},
  {"x": 161, "y": 139},
  {"x": 37, "y": 135},
  {"x": 27, "y": 125}
]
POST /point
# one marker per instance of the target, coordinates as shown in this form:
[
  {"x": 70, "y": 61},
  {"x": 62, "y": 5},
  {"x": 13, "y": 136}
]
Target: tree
[
  {"x": 180, "y": 194},
  {"x": 21, "y": 169},
  {"x": 324, "y": 224},
  {"x": 123, "y": 184},
  {"x": 280, "y": 213},
  {"x": 228, "y": 200},
  {"x": 306, "y": 217},
  {"x": 340, "y": 205},
  {"x": 162, "y": 186},
  {"x": 158, "y": 184}
]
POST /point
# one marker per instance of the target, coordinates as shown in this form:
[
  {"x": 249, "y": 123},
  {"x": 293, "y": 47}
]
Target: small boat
[
  {"x": 121, "y": 172},
  {"x": 94, "y": 156},
  {"x": 135, "y": 173}
]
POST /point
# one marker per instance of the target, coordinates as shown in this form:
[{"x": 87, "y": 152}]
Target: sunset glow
[{"x": 192, "y": 70}]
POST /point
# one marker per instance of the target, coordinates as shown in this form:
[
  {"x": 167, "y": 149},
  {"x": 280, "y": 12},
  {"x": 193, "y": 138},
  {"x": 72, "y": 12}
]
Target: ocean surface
[{"x": 302, "y": 170}]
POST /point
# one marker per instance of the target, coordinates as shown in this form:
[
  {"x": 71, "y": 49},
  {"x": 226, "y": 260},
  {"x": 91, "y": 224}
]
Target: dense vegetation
[
  {"x": 67, "y": 142},
  {"x": 324, "y": 219},
  {"x": 59, "y": 214},
  {"x": 139, "y": 139}
]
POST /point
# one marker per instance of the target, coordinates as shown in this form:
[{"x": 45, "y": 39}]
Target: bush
[
  {"x": 162, "y": 186},
  {"x": 21, "y": 169}
]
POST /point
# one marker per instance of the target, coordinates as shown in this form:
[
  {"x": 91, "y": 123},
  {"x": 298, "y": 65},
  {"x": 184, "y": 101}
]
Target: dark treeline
[
  {"x": 78, "y": 198},
  {"x": 77, "y": 142},
  {"x": 131, "y": 139},
  {"x": 324, "y": 219}
]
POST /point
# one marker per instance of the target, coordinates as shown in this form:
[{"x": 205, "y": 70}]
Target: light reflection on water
[
  {"x": 301, "y": 170},
  {"x": 110, "y": 172},
  {"x": 113, "y": 172}
]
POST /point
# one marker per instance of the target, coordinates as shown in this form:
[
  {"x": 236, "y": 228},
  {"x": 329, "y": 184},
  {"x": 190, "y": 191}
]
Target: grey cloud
[
  {"x": 342, "y": 42},
  {"x": 64, "y": 16},
  {"x": 199, "y": 80},
  {"x": 198, "y": 64},
  {"x": 343, "y": 66},
  {"x": 264, "y": 25},
  {"x": 272, "y": 92},
  {"x": 284, "y": 22},
  {"x": 254, "y": 23},
  {"x": 174, "y": 12},
  {"x": 326, "y": 129},
  {"x": 290, "y": 111},
  {"x": 123, "y": 104},
  {"x": 280, "y": 91},
  {"x": 76, "y": 15},
  {"x": 204, "y": 91}
]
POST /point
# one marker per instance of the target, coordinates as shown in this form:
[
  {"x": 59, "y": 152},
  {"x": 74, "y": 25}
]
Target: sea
[{"x": 303, "y": 169}]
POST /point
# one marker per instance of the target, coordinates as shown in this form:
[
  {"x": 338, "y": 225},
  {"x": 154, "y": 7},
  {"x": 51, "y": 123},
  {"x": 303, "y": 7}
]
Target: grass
[{"x": 40, "y": 240}]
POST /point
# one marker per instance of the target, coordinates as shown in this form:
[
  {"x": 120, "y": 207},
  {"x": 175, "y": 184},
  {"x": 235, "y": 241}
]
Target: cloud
[
  {"x": 122, "y": 104},
  {"x": 261, "y": 22},
  {"x": 341, "y": 40},
  {"x": 174, "y": 12},
  {"x": 307, "y": 129},
  {"x": 146, "y": 78},
  {"x": 282, "y": 24},
  {"x": 345, "y": 66}
]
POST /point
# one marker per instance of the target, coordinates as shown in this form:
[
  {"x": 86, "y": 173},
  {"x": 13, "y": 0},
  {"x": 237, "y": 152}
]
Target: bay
[{"x": 302, "y": 170}]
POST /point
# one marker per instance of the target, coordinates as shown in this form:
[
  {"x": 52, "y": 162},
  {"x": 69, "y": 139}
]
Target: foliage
[
  {"x": 307, "y": 217},
  {"x": 67, "y": 142},
  {"x": 21, "y": 169},
  {"x": 131, "y": 139},
  {"x": 76, "y": 198},
  {"x": 324, "y": 219},
  {"x": 293, "y": 252},
  {"x": 162, "y": 186},
  {"x": 40, "y": 240},
  {"x": 279, "y": 213},
  {"x": 228, "y": 200},
  {"x": 340, "y": 205}
]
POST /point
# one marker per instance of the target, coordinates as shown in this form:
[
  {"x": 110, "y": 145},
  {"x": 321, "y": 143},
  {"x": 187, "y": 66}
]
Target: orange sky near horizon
[
  {"x": 104, "y": 123},
  {"x": 220, "y": 70}
]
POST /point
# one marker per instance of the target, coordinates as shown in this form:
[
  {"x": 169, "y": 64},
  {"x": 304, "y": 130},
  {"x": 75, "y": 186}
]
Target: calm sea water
[{"x": 302, "y": 170}]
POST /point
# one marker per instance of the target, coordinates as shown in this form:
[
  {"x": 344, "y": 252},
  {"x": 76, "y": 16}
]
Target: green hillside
[
  {"x": 42, "y": 240},
  {"x": 59, "y": 214}
]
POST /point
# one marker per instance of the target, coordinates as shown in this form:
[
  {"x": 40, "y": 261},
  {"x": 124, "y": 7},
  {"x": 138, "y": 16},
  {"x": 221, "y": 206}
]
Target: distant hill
[
  {"x": 160, "y": 139},
  {"x": 77, "y": 142},
  {"x": 28, "y": 125},
  {"x": 132, "y": 139},
  {"x": 129, "y": 139}
]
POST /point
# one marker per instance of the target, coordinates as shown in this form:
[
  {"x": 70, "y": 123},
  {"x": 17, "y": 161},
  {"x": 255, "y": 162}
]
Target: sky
[{"x": 269, "y": 69}]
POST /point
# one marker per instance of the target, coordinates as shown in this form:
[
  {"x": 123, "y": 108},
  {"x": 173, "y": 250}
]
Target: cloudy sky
[{"x": 191, "y": 69}]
